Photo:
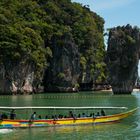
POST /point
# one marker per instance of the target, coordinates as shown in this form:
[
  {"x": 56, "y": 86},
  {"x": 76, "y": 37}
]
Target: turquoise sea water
[{"x": 128, "y": 129}]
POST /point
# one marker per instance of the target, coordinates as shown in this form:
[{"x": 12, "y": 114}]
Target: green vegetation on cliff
[{"x": 28, "y": 26}]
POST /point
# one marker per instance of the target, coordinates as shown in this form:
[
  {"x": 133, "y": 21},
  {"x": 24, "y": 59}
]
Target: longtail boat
[{"x": 27, "y": 123}]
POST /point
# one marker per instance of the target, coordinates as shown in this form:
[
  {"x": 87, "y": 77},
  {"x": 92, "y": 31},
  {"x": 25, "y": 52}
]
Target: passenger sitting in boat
[
  {"x": 79, "y": 115},
  {"x": 60, "y": 116},
  {"x": 55, "y": 117},
  {"x": 12, "y": 114},
  {"x": 46, "y": 117},
  {"x": 98, "y": 114},
  {"x": 102, "y": 113},
  {"x": 90, "y": 115},
  {"x": 83, "y": 115},
  {"x": 39, "y": 117},
  {"x": 33, "y": 116},
  {"x": 4, "y": 116},
  {"x": 74, "y": 116},
  {"x": 71, "y": 114}
]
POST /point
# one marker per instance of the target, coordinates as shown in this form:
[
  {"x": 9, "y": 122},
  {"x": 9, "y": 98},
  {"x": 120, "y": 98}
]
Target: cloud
[{"x": 99, "y": 5}]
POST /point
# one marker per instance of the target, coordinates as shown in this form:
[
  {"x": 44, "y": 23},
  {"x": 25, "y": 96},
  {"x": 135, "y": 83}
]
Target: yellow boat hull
[{"x": 65, "y": 121}]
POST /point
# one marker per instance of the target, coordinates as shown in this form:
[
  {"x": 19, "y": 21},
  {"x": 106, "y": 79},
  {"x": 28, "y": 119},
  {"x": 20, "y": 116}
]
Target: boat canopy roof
[{"x": 58, "y": 107}]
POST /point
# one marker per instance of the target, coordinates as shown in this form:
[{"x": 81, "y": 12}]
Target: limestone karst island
[{"x": 58, "y": 46}]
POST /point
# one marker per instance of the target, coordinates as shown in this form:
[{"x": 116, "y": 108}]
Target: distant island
[{"x": 58, "y": 46}]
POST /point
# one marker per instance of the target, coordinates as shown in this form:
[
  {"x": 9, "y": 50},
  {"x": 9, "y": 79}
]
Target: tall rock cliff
[
  {"x": 55, "y": 44},
  {"x": 123, "y": 54},
  {"x": 63, "y": 72},
  {"x": 77, "y": 57}
]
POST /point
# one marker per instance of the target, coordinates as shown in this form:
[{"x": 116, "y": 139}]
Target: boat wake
[{"x": 5, "y": 131}]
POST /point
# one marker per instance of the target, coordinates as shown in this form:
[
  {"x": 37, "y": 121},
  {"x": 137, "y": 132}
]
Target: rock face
[
  {"x": 16, "y": 78},
  {"x": 122, "y": 58},
  {"x": 63, "y": 72}
]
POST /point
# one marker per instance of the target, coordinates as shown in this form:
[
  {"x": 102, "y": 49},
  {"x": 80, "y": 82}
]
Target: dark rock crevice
[{"x": 63, "y": 72}]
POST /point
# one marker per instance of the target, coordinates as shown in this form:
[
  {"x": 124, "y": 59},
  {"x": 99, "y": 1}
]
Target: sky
[{"x": 116, "y": 12}]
